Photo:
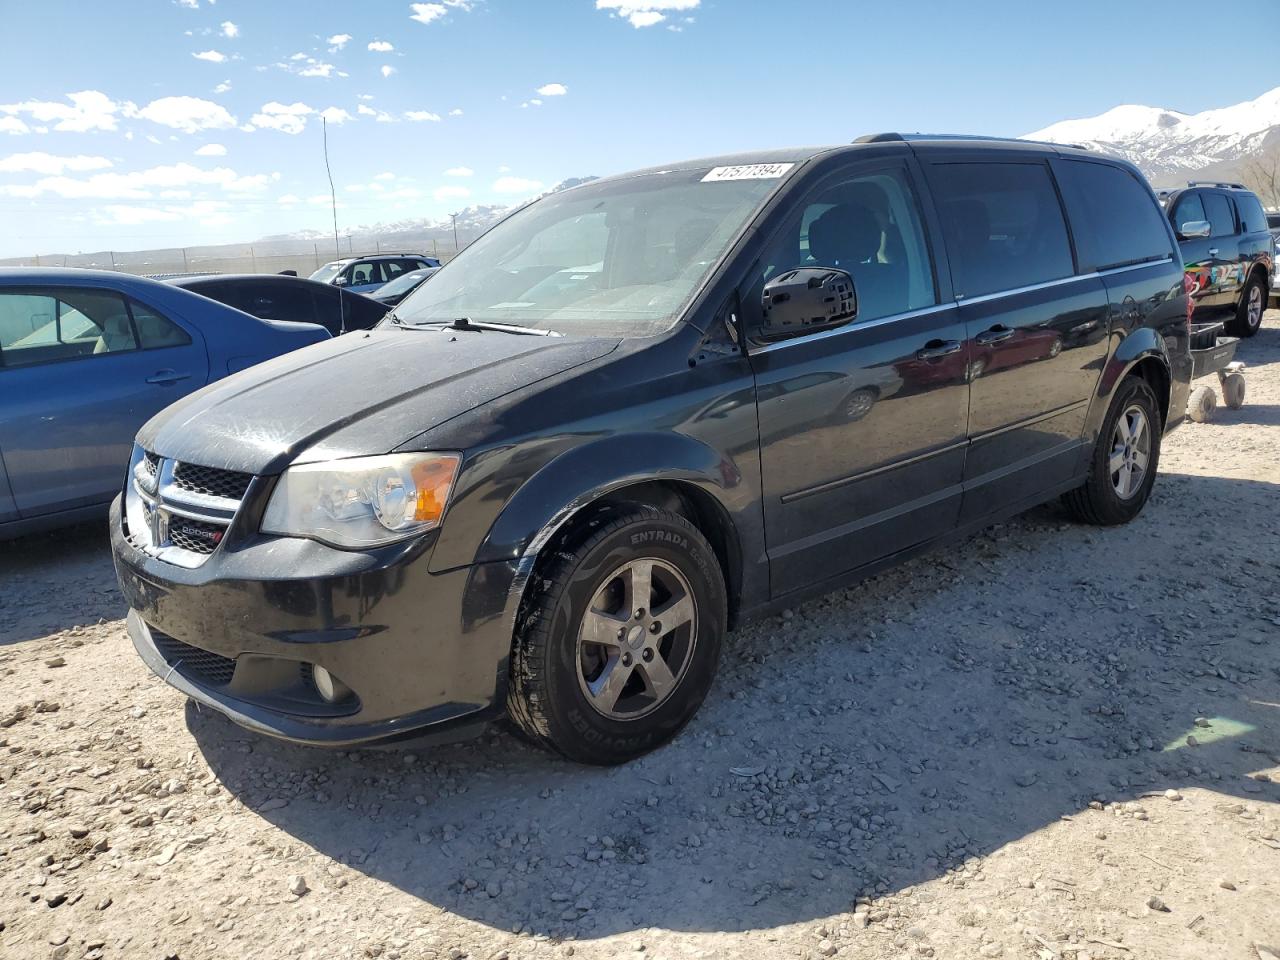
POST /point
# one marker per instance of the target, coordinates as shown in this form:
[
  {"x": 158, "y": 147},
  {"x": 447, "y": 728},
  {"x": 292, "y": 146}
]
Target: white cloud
[
  {"x": 88, "y": 110},
  {"x": 213, "y": 56},
  {"x": 418, "y": 116},
  {"x": 381, "y": 46},
  {"x": 335, "y": 115},
  {"x": 288, "y": 118},
  {"x": 212, "y": 150},
  {"x": 139, "y": 184},
  {"x": 455, "y": 112},
  {"x": 48, "y": 164},
  {"x": 364, "y": 96},
  {"x": 451, "y": 193},
  {"x": 459, "y": 172},
  {"x": 338, "y": 40},
  {"x": 209, "y": 213},
  {"x": 427, "y": 12},
  {"x": 223, "y": 87},
  {"x": 288, "y": 198},
  {"x": 13, "y": 125},
  {"x": 305, "y": 66},
  {"x": 645, "y": 13},
  {"x": 387, "y": 70},
  {"x": 317, "y": 69},
  {"x": 188, "y": 114},
  {"x": 189, "y": 4},
  {"x": 553, "y": 90},
  {"x": 516, "y": 185},
  {"x": 230, "y": 30},
  {"x": 381, "y": 116},
  {"x": 385, "y": 175}
]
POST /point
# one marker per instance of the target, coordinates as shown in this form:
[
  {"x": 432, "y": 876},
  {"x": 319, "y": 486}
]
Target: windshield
[
  {"x": 328, "y": 271},
  {"x": 621, "y": 258},
  {"x": 406, "y": 282}
]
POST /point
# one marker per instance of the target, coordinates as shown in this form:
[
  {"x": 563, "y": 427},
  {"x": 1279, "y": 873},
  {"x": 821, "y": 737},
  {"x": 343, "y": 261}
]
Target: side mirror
[
  {"x": 341, "y": 280},
  {"x": 1195, "y": 229},
  {"x": 808, "y": 298}
]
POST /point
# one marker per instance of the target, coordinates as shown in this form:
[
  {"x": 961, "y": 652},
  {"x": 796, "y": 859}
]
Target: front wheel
[
  {"x": 1248, "y": 318},
  {"x": 1122, "y": 469},
  {"x": 618, "y": 641}
]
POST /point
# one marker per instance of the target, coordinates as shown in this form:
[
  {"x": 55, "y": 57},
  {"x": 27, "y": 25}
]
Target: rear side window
[
  {"x": 280, "y": 301},
  {"x": 1220, "y": 214},
  {"x": 63, "y": 325},
  {"x": 1252, "y": 218},
  {"x": 1003, "y": 224},
  {"x": 1116, "y": 220}
]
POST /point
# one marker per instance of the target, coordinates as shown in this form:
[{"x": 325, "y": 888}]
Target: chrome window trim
[{"x": 963, "y": 301}]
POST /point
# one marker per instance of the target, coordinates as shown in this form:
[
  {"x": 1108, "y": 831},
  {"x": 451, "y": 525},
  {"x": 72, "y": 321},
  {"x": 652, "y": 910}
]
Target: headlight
[{"x": 364, "y": 501}]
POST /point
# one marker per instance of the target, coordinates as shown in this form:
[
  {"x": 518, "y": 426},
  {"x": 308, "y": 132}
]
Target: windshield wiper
[{"x": 466, "y": 323}]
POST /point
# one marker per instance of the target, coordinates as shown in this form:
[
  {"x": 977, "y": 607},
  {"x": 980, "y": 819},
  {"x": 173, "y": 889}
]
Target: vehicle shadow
[
  {"x": 76, "y": 557},
  {"x": 873, "y": 739}
]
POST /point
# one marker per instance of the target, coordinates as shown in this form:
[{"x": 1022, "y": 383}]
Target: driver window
[{"x": 868, "y": 225}]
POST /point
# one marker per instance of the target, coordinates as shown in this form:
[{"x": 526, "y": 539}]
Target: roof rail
[
  {"x": 910, "y": 137},
  {"x": 1216, "y": 183}
]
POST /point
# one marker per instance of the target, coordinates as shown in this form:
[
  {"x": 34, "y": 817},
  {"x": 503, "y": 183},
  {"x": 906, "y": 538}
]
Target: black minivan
[{"x": 637, "y": 412}]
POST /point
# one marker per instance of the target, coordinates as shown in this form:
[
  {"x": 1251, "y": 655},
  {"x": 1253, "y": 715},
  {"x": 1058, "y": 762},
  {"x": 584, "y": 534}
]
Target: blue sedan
[{"x": 87, "y": 357}]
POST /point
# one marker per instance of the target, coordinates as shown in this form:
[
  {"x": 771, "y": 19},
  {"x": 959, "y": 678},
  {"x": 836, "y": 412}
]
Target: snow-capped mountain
[{"x": 1169, "y": 145}]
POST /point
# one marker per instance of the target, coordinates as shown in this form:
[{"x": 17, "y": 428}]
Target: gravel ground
[{"x": 1049, "y": 742}]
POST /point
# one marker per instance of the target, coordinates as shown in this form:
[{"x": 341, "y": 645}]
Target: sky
[{"x": 149, "y": 123}]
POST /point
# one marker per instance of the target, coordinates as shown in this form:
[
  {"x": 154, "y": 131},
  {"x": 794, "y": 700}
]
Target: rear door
[
  {"x": 1035, "y": 326},
  {"x": 862, "y": 428},
  {"x": 1224, "y": 245},
  {"x": 80, "y": 371}
]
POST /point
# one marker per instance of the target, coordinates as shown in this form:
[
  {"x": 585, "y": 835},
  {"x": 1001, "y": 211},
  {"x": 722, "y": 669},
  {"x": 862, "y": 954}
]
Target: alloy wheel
[
  {"x": 1255, "y": 306},
  {"x": 1130, "y": 452},
  {"x": 636, "y": 639}
]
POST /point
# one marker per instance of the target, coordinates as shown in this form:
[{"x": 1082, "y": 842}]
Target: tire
[
  {"x": 1233, "y": 390},
  {"x": 608, "y": 702},
  {"x": 1201, "y": 404},
  {"x": 1253, "y": 301},
  {"x": 1100, "y": 500}
]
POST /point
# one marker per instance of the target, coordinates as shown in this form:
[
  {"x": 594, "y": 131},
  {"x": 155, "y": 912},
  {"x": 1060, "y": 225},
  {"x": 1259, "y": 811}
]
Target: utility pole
[{"x": 454, "y": 217}]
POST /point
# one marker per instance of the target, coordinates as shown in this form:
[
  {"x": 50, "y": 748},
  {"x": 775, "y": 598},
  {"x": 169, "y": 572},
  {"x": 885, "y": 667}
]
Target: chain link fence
[{"x": 269, "y": 257}]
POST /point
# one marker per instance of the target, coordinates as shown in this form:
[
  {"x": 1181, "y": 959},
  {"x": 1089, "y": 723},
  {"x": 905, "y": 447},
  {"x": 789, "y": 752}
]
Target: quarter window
[
  {"x": 1003, "y": 225},
  {"x": 1117, "y": 221},
  {"x": 1220, "y": 216},
  {"x": 1252, "y": 219},
  {"x": 155, "y": 331}
]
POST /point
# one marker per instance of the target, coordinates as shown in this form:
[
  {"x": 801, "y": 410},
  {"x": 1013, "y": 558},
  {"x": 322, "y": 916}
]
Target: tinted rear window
[
  {"x": 1003, "y": 225},
  {"x": 1218, "y": 208},
  {"x": 1115, "y": 218},
  {"x": 1250, "y": 210}
]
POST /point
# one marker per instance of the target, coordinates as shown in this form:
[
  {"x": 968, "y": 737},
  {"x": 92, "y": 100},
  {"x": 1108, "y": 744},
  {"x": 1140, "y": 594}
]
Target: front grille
[
  {"x": 210, "y": 668},
  {"x": 210, "y": 481},
  {"x": 195, "y": 535},
  {"x": 151, "y": 464}
]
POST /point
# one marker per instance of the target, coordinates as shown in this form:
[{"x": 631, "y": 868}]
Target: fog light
[{"x": 330, "y": 688}]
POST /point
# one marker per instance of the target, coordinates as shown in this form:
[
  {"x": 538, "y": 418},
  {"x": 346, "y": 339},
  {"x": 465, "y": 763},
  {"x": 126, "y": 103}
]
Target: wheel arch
[
  {"x": 1143, "y": 353},
  {"x": 669, "y": 471}
]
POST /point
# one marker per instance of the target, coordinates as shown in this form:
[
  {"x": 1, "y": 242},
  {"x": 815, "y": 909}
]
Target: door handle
[
  {"x": 994, "y": 335},
  {"x": 1213, "y": 251},
  {"x": 937, "y": 349},
  {"x": 167, "y": 376}
]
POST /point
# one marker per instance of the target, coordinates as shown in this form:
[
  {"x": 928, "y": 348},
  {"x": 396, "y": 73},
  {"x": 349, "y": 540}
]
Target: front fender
[{"x": 589, "y": 471}]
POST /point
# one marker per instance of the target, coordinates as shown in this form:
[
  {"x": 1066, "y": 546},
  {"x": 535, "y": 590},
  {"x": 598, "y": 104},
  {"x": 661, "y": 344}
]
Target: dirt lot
[{"x": 1051, "y": 742}]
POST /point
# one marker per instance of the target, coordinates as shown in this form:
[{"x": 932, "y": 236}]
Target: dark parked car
[
  {"x": 85, "y": 359},
  {"x": 1227, "y": 249},
  {"x": 367, "y": 274},
  {"x": 281, "y": 297},
  {"x": 554, "y": 498},
  {"x": 392, "y": 293}
]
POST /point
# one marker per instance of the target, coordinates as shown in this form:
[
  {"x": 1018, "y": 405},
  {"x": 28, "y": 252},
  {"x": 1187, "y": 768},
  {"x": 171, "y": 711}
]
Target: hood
[{"x": 357, "y": 395}]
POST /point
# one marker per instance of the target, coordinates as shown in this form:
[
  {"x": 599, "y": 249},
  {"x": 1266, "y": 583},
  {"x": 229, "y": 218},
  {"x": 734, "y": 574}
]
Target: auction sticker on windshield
[{"x": 750, "y": 171}]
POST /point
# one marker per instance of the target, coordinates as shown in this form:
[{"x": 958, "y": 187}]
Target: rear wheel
[
  {"x": 1248, "y": 316},
  {"x": 1122, "y": 469},
  {"x": 617, "y": 643}
]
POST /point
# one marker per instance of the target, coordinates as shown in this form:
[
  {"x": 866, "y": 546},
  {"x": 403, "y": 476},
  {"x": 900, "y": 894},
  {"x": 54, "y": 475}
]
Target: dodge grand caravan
[{"x": 637, "y": 412}]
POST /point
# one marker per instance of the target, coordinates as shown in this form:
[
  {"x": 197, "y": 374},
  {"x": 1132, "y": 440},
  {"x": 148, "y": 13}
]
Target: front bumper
[{"x": 421, "y": 653}]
